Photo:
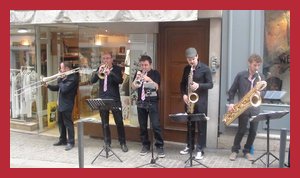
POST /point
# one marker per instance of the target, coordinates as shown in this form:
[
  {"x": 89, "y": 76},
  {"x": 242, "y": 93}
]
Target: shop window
[
  {"x": 125, "y": 52},
  {"x": 23, "y": 74},
  {"x": 276, "y": 66}
]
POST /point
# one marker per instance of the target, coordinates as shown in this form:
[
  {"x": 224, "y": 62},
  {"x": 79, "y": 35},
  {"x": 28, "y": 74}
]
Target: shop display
[{"x": 21, "y": 101}]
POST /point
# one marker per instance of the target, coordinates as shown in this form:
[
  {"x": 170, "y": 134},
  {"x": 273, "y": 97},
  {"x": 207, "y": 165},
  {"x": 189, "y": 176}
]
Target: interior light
[
  {"x": 25, "y": 42},
  {"x": 22, "y": 30},
  {"x": 98, "y": 40}
]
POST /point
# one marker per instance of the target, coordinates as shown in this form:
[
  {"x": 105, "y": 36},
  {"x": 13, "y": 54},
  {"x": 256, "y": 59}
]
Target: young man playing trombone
[{"x": 67, "y": 84}]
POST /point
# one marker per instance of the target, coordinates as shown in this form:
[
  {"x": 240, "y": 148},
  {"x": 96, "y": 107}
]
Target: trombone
[{"x": 43, "y": 80}]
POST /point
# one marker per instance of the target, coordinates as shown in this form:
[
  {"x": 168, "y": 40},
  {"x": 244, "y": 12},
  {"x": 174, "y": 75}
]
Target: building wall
[{"x": 242, "y": 35}]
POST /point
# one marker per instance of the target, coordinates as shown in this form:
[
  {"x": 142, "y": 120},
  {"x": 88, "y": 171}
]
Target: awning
[{"x": 21, "y": 17}]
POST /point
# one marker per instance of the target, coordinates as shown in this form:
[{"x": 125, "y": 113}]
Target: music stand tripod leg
[
  {"x": 103, "y": 104},
  {"x": 267, "y": 117},
  {"x": 113, "y": 153},
  {"x": 98, "y": 155},
  {"x": 192, "y": 158},
  {"x": 153, "y": 160},
  {"x": 259, "y": 158}
]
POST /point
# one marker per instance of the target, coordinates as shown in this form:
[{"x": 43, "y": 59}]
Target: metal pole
[
  {"x": 80, "y": 144},
  {"x": 39, "y": 101},
  {"x": 283, "y": 133}
]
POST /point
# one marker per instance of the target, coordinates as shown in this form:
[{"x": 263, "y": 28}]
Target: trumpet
[
  {"x": 102, "y": 71},
  {"x": 139, "y": 79},
  {"x": 44, "y": 80}
]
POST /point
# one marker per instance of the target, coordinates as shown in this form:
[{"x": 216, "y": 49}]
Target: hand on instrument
[
  {"x": 44, "y": 84},
  {"x": 185, "y": 99},
  {"x": 194, "y": 86},
  {"x": 107, "y": 71},
  {"x": 230, "y": 107},
  {"x": 147, "y": 79}
]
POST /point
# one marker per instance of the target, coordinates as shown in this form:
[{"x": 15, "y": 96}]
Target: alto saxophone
[
  {"x": 192, "y": 96},
  {"x": 252, "y": 98}
]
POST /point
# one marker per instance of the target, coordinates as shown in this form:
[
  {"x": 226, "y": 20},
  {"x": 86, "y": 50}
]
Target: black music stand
[
  {"x": 267, "y": 117},
  {"x": 184, "y": 117},
  {"x": 146, "y": 105},
  {"x": 103, "y": 104}
]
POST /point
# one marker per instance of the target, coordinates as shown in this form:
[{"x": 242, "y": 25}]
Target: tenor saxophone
[
  {"x": 192, "y": 96},
  {"x": 252, "y": 98}
]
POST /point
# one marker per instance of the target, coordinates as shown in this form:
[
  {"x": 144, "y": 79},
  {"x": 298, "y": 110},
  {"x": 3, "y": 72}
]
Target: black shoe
[
  {"x": 160, "y": 152},
  {"x": 144, "y": 150},
  {"x": 69, "y": 146},
  {"x": 59, "y": 143},
  {"x": 124, "y": 147}
]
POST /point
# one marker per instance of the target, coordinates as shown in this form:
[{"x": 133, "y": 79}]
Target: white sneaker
[
  {"x": 185, "y": 151},
  {"x": 199, "y": 155}
]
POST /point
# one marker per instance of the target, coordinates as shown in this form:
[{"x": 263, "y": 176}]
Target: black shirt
[
  {"x": 113, "y": 80},
  {"x": 202, "y": 76},
  {"x": 241, "y": 86},
  {"x": 155, "y": 76},
  {"x": 67, "y": 88}
]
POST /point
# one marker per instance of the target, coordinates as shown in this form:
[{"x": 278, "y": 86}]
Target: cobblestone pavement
[{"x": 36, "y": 150}]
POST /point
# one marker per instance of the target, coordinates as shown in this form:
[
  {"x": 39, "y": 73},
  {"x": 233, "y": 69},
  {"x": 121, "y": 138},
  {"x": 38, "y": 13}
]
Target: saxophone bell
[
  {"x": 255, "y": 100},
  {"x": 252, "y": 98},
  {"x": 193, "y": 97}
]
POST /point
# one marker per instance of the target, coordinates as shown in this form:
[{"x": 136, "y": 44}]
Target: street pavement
[{"x": 32, "y": 150}]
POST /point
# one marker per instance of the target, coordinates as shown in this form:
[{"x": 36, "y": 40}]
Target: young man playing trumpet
[
  {"x": 110, "y": 76},
  {"x": 147, "y": 81}
]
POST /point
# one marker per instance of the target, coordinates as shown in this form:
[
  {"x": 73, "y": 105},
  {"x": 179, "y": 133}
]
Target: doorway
[{"x": 173, "y": 39}]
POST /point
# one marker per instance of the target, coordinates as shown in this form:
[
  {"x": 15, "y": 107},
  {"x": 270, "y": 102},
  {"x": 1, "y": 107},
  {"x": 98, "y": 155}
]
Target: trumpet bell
[{"x": 101, "y": 75}]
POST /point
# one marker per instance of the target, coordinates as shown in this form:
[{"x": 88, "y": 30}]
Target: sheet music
[
  {"x": 104, "y": 104},
  {"x": 184, "y": 117},
  {"x": 278, "y": 114},
  {"x": 274, "y": 95},
  {"x": 89, "y": 119}
]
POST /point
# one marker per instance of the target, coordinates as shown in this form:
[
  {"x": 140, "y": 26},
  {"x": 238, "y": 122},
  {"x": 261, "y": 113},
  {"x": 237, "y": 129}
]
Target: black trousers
[
  {"x": 153, "y": 113},
  {"x": 118, "y": 118},
  {"x": 242, "y": 129},
  {"x": 66, "y": 126},
  {"x": 201, "y": 135}
]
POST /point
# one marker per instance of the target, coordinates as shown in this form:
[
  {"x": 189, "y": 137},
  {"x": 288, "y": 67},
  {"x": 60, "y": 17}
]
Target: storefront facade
[{"x": 163, "y": 35}]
